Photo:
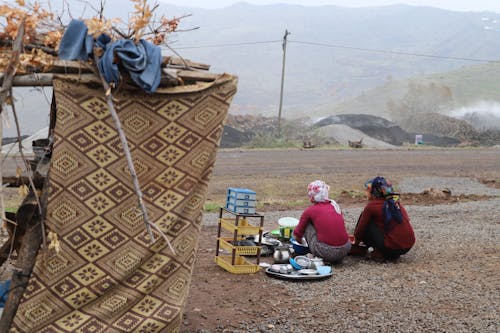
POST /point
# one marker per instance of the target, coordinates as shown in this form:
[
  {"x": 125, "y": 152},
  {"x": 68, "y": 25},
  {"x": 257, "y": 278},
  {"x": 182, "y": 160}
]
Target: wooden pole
[
  {"x": 170, "y": 78},
  {"x": 30, "y": 244},
  {"x": 24, "y": 265},
  {"x": 282, "y": 80}
]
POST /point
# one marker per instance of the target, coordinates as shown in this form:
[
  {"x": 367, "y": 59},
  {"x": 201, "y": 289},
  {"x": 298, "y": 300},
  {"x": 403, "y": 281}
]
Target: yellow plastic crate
[
  {"x": 241, "y": 266},
  {"x": 241, "y": 250},
  {"x": 244, "y": 228}
]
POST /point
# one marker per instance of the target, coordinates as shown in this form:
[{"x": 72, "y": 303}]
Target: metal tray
[{"x": 295, "y": 275}]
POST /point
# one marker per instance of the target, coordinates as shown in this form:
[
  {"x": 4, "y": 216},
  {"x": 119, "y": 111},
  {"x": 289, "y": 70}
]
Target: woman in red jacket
[
  {"x": 322, "y": 225},
  {"x": 384, "y": 224}
]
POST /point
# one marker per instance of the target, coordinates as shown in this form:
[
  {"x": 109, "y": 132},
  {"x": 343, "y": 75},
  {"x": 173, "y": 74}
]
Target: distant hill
[
  {"x": 318, "y": 78},
  {"x": 470, "y": 86},
  {"x": 342, "y": 75}
]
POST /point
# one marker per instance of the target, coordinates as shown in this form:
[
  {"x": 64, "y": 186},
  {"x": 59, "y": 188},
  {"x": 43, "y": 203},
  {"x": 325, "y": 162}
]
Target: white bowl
[
  {"x": 288, "y": 222},
  {"x": 303, "y": 261}
]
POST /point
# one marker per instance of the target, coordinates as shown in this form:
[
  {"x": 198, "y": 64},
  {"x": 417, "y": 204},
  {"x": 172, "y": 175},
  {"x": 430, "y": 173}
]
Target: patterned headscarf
[
  {"x": 317, "y": 191},
  {"x": 382, "y": 188}
]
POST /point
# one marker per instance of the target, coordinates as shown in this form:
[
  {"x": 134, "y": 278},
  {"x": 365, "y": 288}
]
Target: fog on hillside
[{"x": 483, "y": 115}]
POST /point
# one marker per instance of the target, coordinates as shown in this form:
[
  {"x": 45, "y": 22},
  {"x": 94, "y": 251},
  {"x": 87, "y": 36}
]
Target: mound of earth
[
  {"x": 387, "y": 131},
  {"x": 376, "y": 127},
  {"x": 343, "y": 133},
  {"x": 356, "y": 121}
]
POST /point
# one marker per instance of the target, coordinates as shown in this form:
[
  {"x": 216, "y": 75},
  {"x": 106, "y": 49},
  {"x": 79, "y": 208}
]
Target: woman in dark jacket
[{"x": 384, "y": 224}]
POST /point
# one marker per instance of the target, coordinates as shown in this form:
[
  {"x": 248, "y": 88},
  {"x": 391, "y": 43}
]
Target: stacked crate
[
  {"x": 241, "y": 200},
  {"x": 239, "y": 218}
]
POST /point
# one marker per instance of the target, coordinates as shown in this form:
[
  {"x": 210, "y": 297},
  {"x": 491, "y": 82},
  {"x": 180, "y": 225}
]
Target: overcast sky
[{"x": 459, "y": 5}]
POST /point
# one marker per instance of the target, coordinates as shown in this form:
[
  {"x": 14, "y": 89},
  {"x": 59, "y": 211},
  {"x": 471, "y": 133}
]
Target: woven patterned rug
[{"x": 108, "y": 276}]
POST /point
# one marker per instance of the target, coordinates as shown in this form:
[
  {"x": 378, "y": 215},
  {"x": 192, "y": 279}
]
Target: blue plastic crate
[
  {"x": 241, "y": 193},
  {"x": 241, "y": 202},
  {"x": 240, "y": 209}
]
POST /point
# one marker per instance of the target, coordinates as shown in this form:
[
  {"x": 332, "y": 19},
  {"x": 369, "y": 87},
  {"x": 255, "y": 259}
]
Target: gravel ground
[{"x": 449, "y": 282}]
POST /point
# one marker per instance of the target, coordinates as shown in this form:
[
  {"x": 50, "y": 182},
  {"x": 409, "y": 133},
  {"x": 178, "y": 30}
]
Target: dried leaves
[
  {"x": 38, "y": 21},
  {"x": 98, "y": 26},
  {"x": 40, "y": 29},
  {"x": 143, "y": 24},
  {"x": 140, "y": 19},
  {"x": 44, "y": 30}
]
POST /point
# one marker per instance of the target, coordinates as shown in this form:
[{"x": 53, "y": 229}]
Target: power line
[
  {"x": 340, "y": 47},
  {"x": 391, "y": 52},
  {"x": 229, "y": 44}
]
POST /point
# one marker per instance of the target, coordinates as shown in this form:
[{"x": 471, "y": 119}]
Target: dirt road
[
  {"x": 281, "y": 175},
  {"x": 440, "y": 162}
]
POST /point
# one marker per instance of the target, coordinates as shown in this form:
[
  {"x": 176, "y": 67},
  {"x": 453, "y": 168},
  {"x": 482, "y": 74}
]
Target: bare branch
[
  {"x": 128, "y": 156},
  {"x": 10, "y": 70},
  {"x": 29, "y": 47},
  {"x": 186, "y": 66},
  {"x": 29, "y": 173},
  {"x": 119, "y": 32}
]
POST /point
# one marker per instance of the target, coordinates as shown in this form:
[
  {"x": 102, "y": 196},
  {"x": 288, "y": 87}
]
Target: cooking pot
[{"x": 281, "y": 254}]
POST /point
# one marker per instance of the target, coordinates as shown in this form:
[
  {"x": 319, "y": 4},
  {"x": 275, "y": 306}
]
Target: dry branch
[
  {"x": 26, "y": 259},
  {"x": 10, "y": 70},
  {"x": 30, "y": 47},
  {"x": 28, "y": 249},
  {"x": 128, "y": 157}
]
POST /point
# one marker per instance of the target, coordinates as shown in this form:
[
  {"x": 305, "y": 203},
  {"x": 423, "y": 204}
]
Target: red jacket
[
  {"x": 400, "y": 235},
  {"x": 329, "y": 225}
]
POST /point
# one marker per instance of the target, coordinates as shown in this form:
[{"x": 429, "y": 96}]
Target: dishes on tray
[
  {"x": 324, "y": 270},
  {"x": 294, "y": 264},
  {"x": 303, "y": 261},
  {"x": 296, "y": 276}
]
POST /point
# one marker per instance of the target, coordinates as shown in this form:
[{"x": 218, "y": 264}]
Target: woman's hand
[{"x": 298, "y": 240}]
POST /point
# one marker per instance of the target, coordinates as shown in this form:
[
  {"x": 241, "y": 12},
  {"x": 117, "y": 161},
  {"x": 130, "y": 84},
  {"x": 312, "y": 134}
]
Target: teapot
[{"x": 281, "y": 254}]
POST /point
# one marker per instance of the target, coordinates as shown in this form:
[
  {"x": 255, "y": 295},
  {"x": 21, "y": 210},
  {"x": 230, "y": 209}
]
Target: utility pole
[{"x": 282, "y": 80}]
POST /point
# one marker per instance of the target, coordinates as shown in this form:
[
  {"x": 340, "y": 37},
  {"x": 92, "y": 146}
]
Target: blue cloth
[
  {"x": 4, "y": 292},
  {"x": 76, "y": 43},
  {"x": 141, "y": 60}
]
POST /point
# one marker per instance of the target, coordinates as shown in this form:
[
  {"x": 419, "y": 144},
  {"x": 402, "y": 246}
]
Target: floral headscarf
[
  {"x": 379, "y": 187},
  {"x": 382, "y": 188},
  {"x": 317, "y": 191}
]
